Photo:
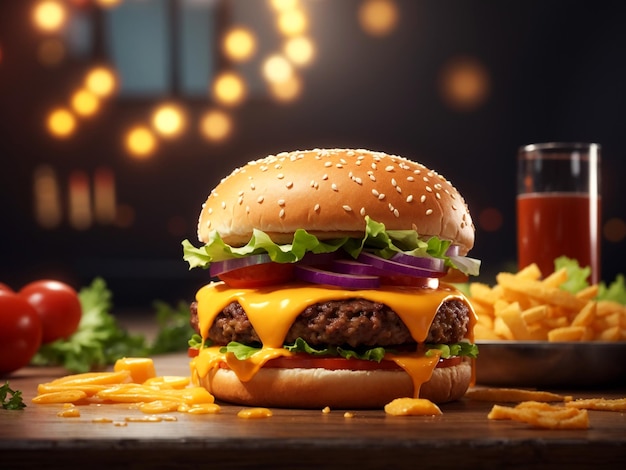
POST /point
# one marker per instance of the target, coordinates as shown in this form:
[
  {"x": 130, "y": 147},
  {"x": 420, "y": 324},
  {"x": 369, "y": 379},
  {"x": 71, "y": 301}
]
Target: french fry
[
  {"x": 602, "y": 404},
  {"x": 542, "y": 415},
  {"x": 566, "y": 333},
  {"x": 514, "y": 395}
]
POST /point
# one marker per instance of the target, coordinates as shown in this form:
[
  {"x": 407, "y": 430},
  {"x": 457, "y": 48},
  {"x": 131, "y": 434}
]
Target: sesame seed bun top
[{"x": 328, "y": 192}]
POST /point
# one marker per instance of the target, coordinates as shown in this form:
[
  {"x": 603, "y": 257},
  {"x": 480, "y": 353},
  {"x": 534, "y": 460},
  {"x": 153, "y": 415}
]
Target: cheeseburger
[{"x": 330, "y": 271}]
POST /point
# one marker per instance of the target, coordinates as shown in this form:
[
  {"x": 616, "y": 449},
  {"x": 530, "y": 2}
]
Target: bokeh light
[
  {"x": 229, "y": 89},
  {"x": 378, "y": 17},
  {"x": 299, "y": 50},
  {"x": 61, "y": 123},
  {"x": 292, "y": 22},
  {"x": 49, "y": 15},
  {"x": 490, "y": 219},
  {"x": 239, "y": 44},
  {"x": 216, "y": 125},
  {"x": 85, "y": 103},
  {"x": 168, "y": 120},
  {"x": 51, "y": 52},
  {"x": 287, "y": 90},
  {"x": 277, "y": 69},
  {"x": 100, "y": 81},
  {"x": 615, "y": 230},
  {"x": 464, "y": 83},
  {"x": 140, "y": 142}
]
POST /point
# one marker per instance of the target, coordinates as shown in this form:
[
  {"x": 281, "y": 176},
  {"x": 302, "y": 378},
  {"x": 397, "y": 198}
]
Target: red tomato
[
  {"x": 258, "y": 275},
  {"x": 58, "y": 307},
  {"x": 5, "y": 288},
  {"x": 20, "y": 332}
]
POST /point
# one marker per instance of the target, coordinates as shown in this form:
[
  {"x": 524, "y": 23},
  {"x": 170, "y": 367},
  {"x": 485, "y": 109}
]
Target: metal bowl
[{"x": 541, "y": 364}]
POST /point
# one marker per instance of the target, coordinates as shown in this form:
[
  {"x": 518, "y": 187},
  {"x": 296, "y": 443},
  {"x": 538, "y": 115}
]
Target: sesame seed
[
  {"x": 247, "y": 209},
  {"x": 429, "y": 189},
  {"x": 339, "y": 165},
  {"x": 399, "y": 189},
  {"x": 260, "y": 199},
  {"x": 316, "y": 208},
  {"x": 423, "y": 198},
  {"x": 281, "y": 214},
  {"x": 281, "y": 202},
  {"x": 289, "y": 185},
  {"x": 396, "y": 212},
  {"x": 358, "y": 180},
  {"x": 347, "y": 208},
  {"x": 381, "y": 196},
  {"x": 334, "y": 187},
  {"x": 210, "y": 210},
  {"x": 394, "y": 183},
  {"x": 280, "y": 176},
  {"x": 409, "y": 198},
  {"x": 240, "y": 200},
  {"x": 375, "y": 192},
  {"x": 429, "y": 211},
  {"x": 328, "y": 164},
  {"x": 373, "y": 178},
  {"x": 438, "y": 196},
  {"x": 410, "y": 178},
  {"x": 223, "y": 205},
  {"x": 374, "y": 166},
  {"x": 208, "y": 224},
  {"x": 389, "y": 168},
  {"x": 362, "y": 211},
  {"x": 252, "y": 186},
  {"x": 324, "y": 176},
  {"x": 453, "y": 207}
]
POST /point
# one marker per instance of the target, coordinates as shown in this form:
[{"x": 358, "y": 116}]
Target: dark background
[{"x": 556, "y": 72}]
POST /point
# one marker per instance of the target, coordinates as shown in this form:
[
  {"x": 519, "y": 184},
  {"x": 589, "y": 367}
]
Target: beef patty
[{"x": 355, "y": 322}]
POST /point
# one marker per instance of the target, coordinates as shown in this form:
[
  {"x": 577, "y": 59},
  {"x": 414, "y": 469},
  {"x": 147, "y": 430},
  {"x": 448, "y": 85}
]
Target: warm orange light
[
  {"x": 100, "y": 81},
  {"x": 229, "y": 89},
  {"x": 61, "y": 123},
  {"x": 299, "y": 50},
  {"x": 277, "y": 69},
  {"x": 292, "y": 22},
  {"x": 79, "y": 211},
  {"x": 104, "y": 195},
  {"x": 464, "y": 83},
  {"x": 85, "y": 103},
  {"x": 168, "y": 120},
  {"x": 47, "y": 197},
  {"x": 281, "y": 5},
  {"x": 140, "y": 142},
  {"x": 49, "y": 15},
  {"x": 216, "y": 125},
  {"x": 378, "y": 17},
  {"x": 51, "y": 51},
  {"x": 288, "y": 90},
  {"x": 239, "y": 44}
]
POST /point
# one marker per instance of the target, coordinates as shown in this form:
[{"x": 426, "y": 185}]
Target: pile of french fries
[{"x": 523, "y": 306}]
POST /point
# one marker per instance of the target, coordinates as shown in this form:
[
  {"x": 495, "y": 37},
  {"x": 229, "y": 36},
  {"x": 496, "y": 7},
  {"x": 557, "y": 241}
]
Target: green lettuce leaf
[
  {"x": 243, "y": 352},
  {"x": 616, "y": 291},
  {"x": 377, "y": 239},
  {"x": 576, "y": 275}
]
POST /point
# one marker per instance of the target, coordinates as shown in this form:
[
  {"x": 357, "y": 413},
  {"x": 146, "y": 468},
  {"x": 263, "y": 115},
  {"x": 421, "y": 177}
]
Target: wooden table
[{"x": 462, "y": 437}]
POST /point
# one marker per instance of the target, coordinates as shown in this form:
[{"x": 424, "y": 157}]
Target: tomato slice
[{"x": 258, "y": 275}]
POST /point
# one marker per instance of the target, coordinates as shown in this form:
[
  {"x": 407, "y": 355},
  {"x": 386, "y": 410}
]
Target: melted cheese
[{"x": 271, "y": 312}]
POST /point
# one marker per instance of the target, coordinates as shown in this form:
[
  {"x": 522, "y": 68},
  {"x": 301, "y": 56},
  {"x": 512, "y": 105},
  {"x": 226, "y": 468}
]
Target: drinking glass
[{"x": 558, "y": 205}]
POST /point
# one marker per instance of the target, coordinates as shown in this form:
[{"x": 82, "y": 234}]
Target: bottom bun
[{"x": 318, "y": 388}]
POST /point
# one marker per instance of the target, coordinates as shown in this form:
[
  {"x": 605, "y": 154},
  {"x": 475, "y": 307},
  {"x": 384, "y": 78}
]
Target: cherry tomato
[
  {"x": 258, "y": 275},
  {"x": 20, "y": 332},
  {"x": 5, "y": 288},
  {"x": 58, "y": 307}
]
